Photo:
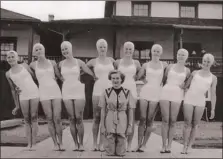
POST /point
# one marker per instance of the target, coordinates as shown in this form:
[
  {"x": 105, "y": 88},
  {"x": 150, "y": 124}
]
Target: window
[
  {"x": 142, "y": 50},
  {"x": 188, "y": 10},
  {"x": 140, "y": 8},
  {"x": 7, "y": 43}
]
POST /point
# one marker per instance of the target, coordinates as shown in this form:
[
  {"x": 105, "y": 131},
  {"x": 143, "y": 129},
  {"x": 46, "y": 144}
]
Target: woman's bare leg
[
  {"x": 26, "y": 114},
  {"x": 48, "y": 110},
  {"x": 96, "y": 122},
  {"x": 164, "y": 106},
  {"x": 188, "y": 114},
  {"x": 69, "y": 104},
  {"x": 152, "y": 110},
  {"x": 174, "y": 111},
  {"x": 198, "y": 113},
  {"x": 57, "y": 108},
  {"x": 34, "y": 105},
  {"x": 79, "y": 109},
  {"x": 130, "y": 137},
  {"x": 142, "y": 122}
]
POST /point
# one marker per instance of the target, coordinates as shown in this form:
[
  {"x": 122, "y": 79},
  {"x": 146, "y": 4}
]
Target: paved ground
[{"x": 43, "y": 149}]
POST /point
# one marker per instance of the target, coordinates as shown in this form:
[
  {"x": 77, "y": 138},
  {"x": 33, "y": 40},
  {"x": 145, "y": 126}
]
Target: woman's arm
[
  {"x": 187, "y": 77},
  {"x": 116, "y": 63},
  {"x": 142, "y": 71},
  {"x": 14, "y": 94},
  {"x": 188, "y": 81},
  {"x": 166, "y": 73},
  {"x": 91, "y": 63},
  {"x": 213, "y": 96},
  {"x": 56, "y": 70},
  {"x": 138, "y": 68},
  {"x": 85, "y": 68}
]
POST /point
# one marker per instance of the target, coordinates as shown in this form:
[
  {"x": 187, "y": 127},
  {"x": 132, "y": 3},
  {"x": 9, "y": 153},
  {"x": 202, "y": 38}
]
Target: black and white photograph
[{"x": 108, "y": 79}]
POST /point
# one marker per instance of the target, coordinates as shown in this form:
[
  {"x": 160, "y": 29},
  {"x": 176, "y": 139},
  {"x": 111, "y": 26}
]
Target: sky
[{"x": 60, "y": 9}]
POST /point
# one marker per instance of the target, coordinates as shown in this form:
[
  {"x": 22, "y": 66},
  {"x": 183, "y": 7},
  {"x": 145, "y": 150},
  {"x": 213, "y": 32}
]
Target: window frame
[
  {"x": 9, "y": 40},
  {"x": 189, "y": 4},
  {"x": 148, "y": 3}
]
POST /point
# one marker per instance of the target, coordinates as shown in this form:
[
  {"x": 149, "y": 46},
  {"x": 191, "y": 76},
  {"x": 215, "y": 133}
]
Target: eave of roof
[
  {"x": 8, "y": 15},
  {"x": 140, "y": 21}
]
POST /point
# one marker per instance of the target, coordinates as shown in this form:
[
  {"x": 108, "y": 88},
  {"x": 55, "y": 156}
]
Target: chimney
[{"x": 50, "y": 17}]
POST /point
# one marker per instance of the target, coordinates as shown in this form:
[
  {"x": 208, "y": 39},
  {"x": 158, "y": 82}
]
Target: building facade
[{"x": 18, "y": 33}]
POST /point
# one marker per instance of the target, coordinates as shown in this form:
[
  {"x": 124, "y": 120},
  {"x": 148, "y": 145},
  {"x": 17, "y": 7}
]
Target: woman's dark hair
[{"x": 116, "y": 72}]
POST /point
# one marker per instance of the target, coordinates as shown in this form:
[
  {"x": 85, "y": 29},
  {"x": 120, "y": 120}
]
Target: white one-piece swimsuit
[
  {"x": 72, "y": 87},
  {"x": 196, "y": 92},
  {"x": 152, "y": 89},
  {"x": 171, "y": 90},
  {"x": 129, "y": 72},
  {"x": 101, "y": 71},
  {"x": 24, "y": 81},
  {"x": 48, "y": 87}
]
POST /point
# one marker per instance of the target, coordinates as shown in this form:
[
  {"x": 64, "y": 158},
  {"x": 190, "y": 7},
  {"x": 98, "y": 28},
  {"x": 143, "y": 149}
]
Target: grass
[{"x": 209, "y": 134}]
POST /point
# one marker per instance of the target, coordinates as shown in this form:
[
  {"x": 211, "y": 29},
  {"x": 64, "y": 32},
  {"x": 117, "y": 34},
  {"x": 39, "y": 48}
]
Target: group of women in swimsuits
[{"x": 166, "y": 85}]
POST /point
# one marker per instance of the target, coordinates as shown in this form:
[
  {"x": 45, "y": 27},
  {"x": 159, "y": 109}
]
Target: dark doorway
[
  {"x": 194, "y": 49},
  {"x": 142, "y": 50},
  {"x": 51, "y": 42}
]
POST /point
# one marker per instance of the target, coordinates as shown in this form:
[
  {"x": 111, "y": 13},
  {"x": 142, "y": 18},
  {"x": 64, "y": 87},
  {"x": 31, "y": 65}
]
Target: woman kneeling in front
[{"x": 116, "y": 124}]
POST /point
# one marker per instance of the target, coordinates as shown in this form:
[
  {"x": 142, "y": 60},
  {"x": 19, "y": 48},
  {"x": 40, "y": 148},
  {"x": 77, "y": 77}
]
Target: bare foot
[
  {"x": 81, "y": 148},
  {"x": 62, "y": 147},
  {"x": 168, "y": 149},
  {"x": 101, "y": 148},
  {"x": 56, "y": 147},
  {"x": 142, "y": 149},
  {"x": 136, "y": 149},
  {"x": 184, "y": 150},
  {"x": 188, "y": 149},
  {"x": 129, "y": 148},
  {"x": 95, "y": 148},
  {"x": 163, "y": 150},
  {"x": 29, "y": 148},
  {"x": 76, "y": 147}
]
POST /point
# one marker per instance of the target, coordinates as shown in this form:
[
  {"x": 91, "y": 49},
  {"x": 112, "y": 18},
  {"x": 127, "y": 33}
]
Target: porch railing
[{"x": 193, "y": 63}]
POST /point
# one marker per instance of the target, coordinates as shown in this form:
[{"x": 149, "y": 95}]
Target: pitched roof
[{"x": 10, "y": 15}]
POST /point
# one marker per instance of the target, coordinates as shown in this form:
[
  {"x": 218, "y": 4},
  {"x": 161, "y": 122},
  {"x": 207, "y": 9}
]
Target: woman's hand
[
  {"x": 103, "y": 130},
  {"x": 18, "y": 90},
  {"x": 129, "y": 130},
  {"x": 182, "y": 86},
  {"x": 15, "y": 110},
  {"x": 212, "y": 114},
  {"x": 95, "y": 78},
  {"x": 144, "y": 81}
]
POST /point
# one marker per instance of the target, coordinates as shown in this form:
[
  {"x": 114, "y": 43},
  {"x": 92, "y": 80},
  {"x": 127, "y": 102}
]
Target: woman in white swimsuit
[
  {"x": 101, "y": 66},
  {"x": 198, "y": 84},
  {"x": 73, "y": 92},
  {"x": 25, "y": 94},
  {"x": 129, "y": 68},
  {"x": 171, "y": 97},
  {"x": 50, "y": 94},
  {"x": 150, "y": 94}
]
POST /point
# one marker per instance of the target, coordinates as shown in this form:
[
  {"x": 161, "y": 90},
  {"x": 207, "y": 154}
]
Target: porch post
[
  {"x": 30, "y": 45},
  {"x": 114, "y": 42},
  {"x": 181, "y": 37}
]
